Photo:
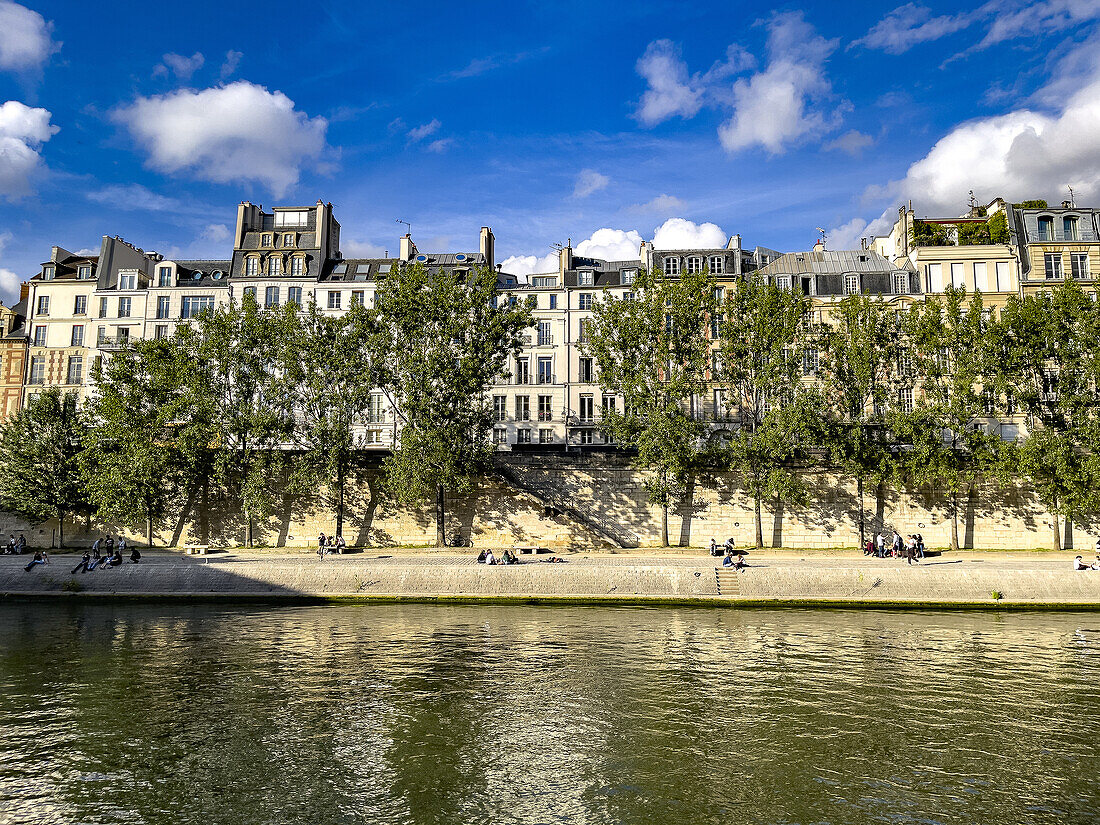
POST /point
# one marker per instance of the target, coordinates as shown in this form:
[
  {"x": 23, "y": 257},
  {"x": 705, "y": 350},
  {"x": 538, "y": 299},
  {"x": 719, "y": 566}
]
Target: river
[{"x": 218, "y": 714}]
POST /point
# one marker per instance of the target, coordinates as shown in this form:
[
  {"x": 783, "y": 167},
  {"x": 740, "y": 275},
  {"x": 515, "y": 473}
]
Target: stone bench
[{"x": 196, "y": 549}]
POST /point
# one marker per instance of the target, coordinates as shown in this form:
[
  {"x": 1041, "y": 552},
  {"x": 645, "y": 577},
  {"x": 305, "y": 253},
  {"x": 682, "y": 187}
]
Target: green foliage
[
  {"x": 971, "y": 234},
  {"x": 924, "y": 233},
  {"x": 998, "y": 228},
  {"x": 1032, "y": 204},
  {"x": 445, "y": 342},
  {"x": 40, "y": 452},
  {"x": 72, "y": 586},
  {"x": 653, "y": 353},
  {"x": 996, "y": 595}
]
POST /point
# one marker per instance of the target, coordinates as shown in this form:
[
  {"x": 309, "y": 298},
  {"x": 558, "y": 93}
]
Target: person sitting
[
  {"x": 868, "y": 548},
  {"x": 340, "y": 544},
  {"x": 1077, "y": 564},
  {"x": 728, "y": 561},
  {"x": 1096, "y": 564},
  {"x": 83, "y": 566},
  {"x": 714, "y": 551},
  {"x": 38, "y": 559},
  {"x": 489, "y": 557},
  {"x": 739, "y": 563},
  {"x": 11, "y": 544},
  {"x": 135, "y": 556},
  {"x": 509, "y": 558}
]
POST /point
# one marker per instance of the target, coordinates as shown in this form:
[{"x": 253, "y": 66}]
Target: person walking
[{"x": 321, "y": 541}]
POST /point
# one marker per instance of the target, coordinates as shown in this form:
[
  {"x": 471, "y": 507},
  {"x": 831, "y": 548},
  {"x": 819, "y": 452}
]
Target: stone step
[{"x": 728, "y": 581}]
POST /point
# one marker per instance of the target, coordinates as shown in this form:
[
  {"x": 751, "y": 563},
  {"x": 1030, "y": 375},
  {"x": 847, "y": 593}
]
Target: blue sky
[{"x": 596, "y": 122}]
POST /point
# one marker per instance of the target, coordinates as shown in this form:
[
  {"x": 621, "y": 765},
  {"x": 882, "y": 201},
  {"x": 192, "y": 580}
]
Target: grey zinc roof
[{"x": 807, "y": 263}]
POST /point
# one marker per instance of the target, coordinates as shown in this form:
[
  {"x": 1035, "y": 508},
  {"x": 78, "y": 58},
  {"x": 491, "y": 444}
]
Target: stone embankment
[{"x": 985, "y": 581}]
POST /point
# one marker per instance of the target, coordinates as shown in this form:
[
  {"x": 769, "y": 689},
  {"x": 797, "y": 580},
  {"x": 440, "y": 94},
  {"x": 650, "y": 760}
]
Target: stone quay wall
[{"x": 596, "y": 500}]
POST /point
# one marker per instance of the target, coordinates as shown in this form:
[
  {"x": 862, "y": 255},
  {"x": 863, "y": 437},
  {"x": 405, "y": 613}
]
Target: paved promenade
[{"x": 991, "y": 579}]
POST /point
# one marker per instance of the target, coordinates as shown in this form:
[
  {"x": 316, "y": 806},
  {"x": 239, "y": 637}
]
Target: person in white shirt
[
  {"x": 489, "y": 557},
  {"x": 1079, "y": 565}
]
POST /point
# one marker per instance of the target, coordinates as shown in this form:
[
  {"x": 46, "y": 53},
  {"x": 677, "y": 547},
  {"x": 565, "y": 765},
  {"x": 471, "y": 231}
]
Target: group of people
[
  {"x": 894, "y": 545},
  {"x": 1078, "y": 564},
  {"x": 487, "y": 557},
  {"x": 15, "y": 546},
  {"x": 736, "y": 560},
  {"x": 330, "y": 544},
  {"x": 106, "y": 552}
]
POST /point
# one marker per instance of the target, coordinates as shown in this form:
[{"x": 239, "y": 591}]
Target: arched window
[
  {"x": 1046, "y": 228},
  {"x": 672, "y": 266},
  {"x": 251, "y": 266},
  {"x": 1069, "y": 229},
  {"x": 274, "y": 266},
  {"x": 694, "y": 264}
]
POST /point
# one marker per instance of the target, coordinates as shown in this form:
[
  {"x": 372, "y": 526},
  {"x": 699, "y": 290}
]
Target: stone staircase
[
  {"x": 550, "y": 497},
  {"x": 728, "y": 581}
]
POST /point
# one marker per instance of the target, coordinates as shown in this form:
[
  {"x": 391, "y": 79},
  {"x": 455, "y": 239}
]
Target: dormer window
[
  {"x": 127, "y": 280},
  {"x": 288, "y": 240},
  {"x": 275, "y": 266},
  {"x": 717, "y": 264},
  {"x": 783, "y": 281},
  {"x": 851, "y": 285},
  {"x": 694, "y": 264},
  {"x": 251, "y": 266},
  {"x": 1046, "y": 229},
  {"x": 47, "y": 273},
  {"x": 628, "y": 276},
  {"x": 585, "y": 277},
  {"x": 1069, "y": 229},
  {"x": 84, "y": 271},
  {"x": 265, "y": 240},
  {"x": 672, "y": 266}
]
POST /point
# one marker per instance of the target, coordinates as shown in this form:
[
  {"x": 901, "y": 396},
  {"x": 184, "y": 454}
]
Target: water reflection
[{"x": 422, "y": 714}]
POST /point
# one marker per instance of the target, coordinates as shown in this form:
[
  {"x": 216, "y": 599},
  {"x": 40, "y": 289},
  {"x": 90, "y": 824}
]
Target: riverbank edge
[{"x": 728, "y": 602}]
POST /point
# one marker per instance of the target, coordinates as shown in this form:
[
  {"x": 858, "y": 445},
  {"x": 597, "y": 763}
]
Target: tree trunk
[
  {"x": 758, "y": 518},
  {"x": 664, "y": 522},
  {"x": 1054, "y": 524},
  {"x": 60, "y": 529},
  {"x": 954, "y": 522},
  {"x": 862, "y": 526},
  {"x": 148, "y": 530},
  {"x": 340, "y": 500},
  {"x": 248, "y": 532},
  {"x": 440, "y": 517}
]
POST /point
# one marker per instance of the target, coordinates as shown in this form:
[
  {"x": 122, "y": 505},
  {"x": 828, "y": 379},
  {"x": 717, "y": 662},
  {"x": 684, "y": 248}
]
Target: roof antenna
[
  {"x": 823, "y": 238},
  {"x": 1072, "y": 202},
  {"x": 409, "y": 225},
  {"x": 972, "y": 202}
]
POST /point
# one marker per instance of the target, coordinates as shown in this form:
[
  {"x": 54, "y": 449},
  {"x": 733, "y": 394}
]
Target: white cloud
[
  {"x": 215, "y": 233},
  {"x": 781, "y": 104},
  {"x": 679, "y": 233},
  {"x": 227, "y": 134},
  {"x": 670, "y": 91},
  {"x": 611, "y": 245},
  {"x": 440, "y": 146},
  {"x": 423, "y": 131},
  {"x": 232, "y": 61},
  {"x": 23, "y": 130},
  {"x": 182, "y": 67},
  {"x": 908, "y": 25},
  {"x": 530, "y": 264},
  {"x": 852, "y": 142},
  {"x": 1030, "y": 19},
  {"x": 361, "y": 249},
  {"x": 662, "y": 204},
  {"x": 589, "y": 181},
  {"x": 25, "y": 41},
  {"x": 9, "y": 284},
  {"x": 132, "y": 196}
]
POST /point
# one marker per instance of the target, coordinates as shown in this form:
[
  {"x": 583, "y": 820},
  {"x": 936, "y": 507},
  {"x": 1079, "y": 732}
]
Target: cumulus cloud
[
  {"x": 237, "y": 133},
  {"x": 25, "y": 38},
  {"x": 23, "y": 130},
  {"x": 361, "y": 249},
  {"x": 589, "y": 181},
  {"x": 852, "y": 142},
  {"x": 182, "y": 67},
  {"x": 662, "y": 204},
  {"x": 215, "y": 233},
  {"x": 611, "y": 245},
  {"x": 851, "y": 234},
  {"x": 232, "y": 61},
  {"x": 908, "y": 25},
  {"x": 679, "y": 233},
  {"x": 420, "y": 132},
  {"x": 670, "y": 91},
  {"x": 779, "y": 105},
  {"x": 530, "y": 264},
  {"x": 132, "y": 196}
]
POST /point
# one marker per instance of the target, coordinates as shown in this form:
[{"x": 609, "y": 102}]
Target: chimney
[
  {"x": 488, "y": 243},
  {"x": 565, "y": 257},
  {"x": 819, "y": 246},
  {"x": 408, "y": 248},
  {"x": 735, "y": 242}
]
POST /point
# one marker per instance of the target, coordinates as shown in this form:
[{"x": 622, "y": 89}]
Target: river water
[{"x": 471, "y": 714}]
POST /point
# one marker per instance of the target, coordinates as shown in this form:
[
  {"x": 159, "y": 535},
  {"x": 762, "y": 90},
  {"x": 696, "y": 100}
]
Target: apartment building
[
  {"x": 13, "y": 356},
  {"x": 1056, "y": 244}
]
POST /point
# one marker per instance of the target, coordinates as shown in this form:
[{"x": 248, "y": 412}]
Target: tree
[
  {"x": 239, "y": 395},
  {"x": 653, "y": 352},
  {"x": 135, "y": 457},
  {"x": 860, "y": 370},
  {"x": 1047, "y": 349},
  {"x": 446, "y": 342},
  {"x": 943, "y": 449},
  {"x": 765, "y": 347},
  {"x": 40, "y": 453},
  {"x": 332, "y": 368}
]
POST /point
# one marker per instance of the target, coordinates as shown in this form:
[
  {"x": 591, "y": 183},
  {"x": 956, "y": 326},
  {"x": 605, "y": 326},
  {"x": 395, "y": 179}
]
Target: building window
[
  {"x": 40, "y": 336},
  {"x": 373, "y": 437},
  {"x": 102, "y": 307},
  {"x": 38, "y": 370},
  {"x": 127, "y": 280},
  {"x": 523, "y": 408},
  {"x": 546, "y": 412},
  {"x": 585, "y": 437},
  {"x": 715, "y": 325},
  {"x": 84, "y": 272},
  {"x": 292, "y": 218},
  {"x": 717, "y": 264},
  {"x": 694, "y": 264},
  {"x": 500, "y": 408},
  {"x": 901, "y": 283},
  {"x": 76, "y": 338},
  {"x": 500, "y": 435},
  {"x": 545, "y": 338},
  {"x": 905, "y": 399},
  {"x": 523, "y": 371},
  {"x": 296, "y": 265},
  {"x": 251, "y": 266},
  {"x": 810, "y": 362},
  {"x": 265, "y": 240},
  {"x": 1046, "y": 229},
  {"x": 721, "y": 409},
  {"x": 334, "y": 300},
  {"x": 783, "y": 282},
  {"x": 553, "y": 302},
  {"x": 124, "y": 307},
  {"x": 1002, "y": 277},
  {"x": 546, "y": 436},
  {"x": 250, "y": 292},
  {"x": 586, "y": 277},
  {"x": 585, "y": 375},
  {"x": 76, "y": 370},
  {"x": 1079, "y": 264},
  {"x": 47, "y": 273},
  {"x": 1069, "y": 229},
  {"x": 1053, "y": 264},
  {"x": 357, "y": 297},
  {"x": 160, "y": 331},
  {"x": 288, "y": 240},
  {"x": 294, "y": 295},
  {"x": 545, "y": 370},
  {"x": 582, "y": 329},
  {"x": 164, "y": 305},
  {"x": 628, "y": 296},
  {"x": 587, "y": 413},
  {"x": 584, "y": 300},
  {"x": 192, "y": 305},
  {"x": 544, "y": 281},
  {"x": 607, "y": 404},
  {"x": 80, "y": 305},
  {"x": 164, "y": 274},
  {"x": 672, "y": 266},
  {"x": 628, "y": 276},
  {"x": 271, "y": 296},
  {"x": 375, "y": 413},
  {"x": 43, "y": 305},
  {"x": 523, "y": 436},
  {"x": 274, "y": 266},
  {"x": 851, "y": 284}
]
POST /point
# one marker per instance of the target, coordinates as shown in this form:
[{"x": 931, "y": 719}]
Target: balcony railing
[
  {"x": 112, "y": 341},
  {"x": 547, "y": 378},
  {"x": 546, "y": 416},
  {"x": 546, "y": 340}
]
